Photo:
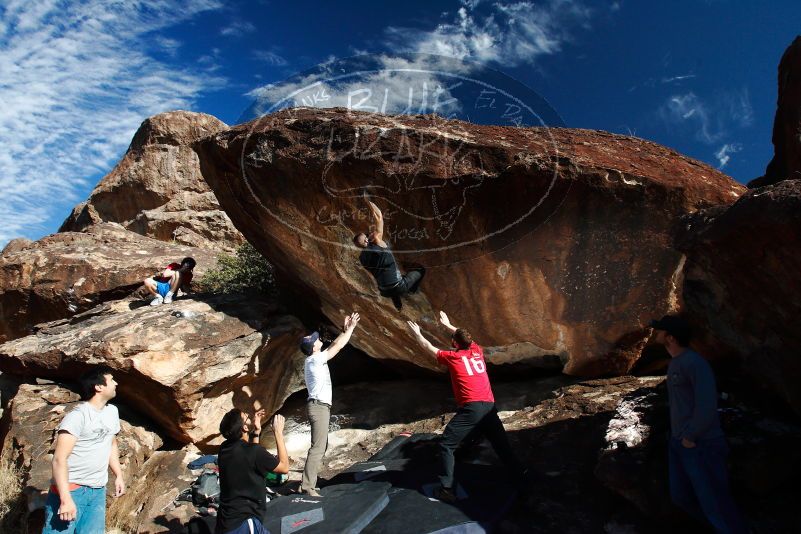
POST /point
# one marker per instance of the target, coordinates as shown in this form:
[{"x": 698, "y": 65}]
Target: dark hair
[
  {"x": 187, "y": 264},
  {"x": 231, "y": 424},
  {"x": 96, "y": 376},
  {"x": 356, "y": 237},
  {"x": 462, "y": 338},
  {"x": 676, "y": 326},
  {"x": 682, "y": 335}
]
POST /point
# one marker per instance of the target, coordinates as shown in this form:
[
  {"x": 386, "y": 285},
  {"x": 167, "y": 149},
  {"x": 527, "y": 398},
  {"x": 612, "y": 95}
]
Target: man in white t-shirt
[
  {"x": 86, "y": 446},
  {"x": 318, "y": 406}
]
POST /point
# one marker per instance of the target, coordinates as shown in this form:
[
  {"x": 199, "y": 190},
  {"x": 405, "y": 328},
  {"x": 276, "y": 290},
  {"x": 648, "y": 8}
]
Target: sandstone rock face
[
  {"x": 15, "y": 245},
  {"x": 184, "y": 372},
  {"x": 786, "y": 162},
  {"x": 148, "y": 504},
  {"x": 741, "y": 285},
  {"x": 549, "y": 245},
  {"x": 34, "y": 414},
  {"x": 156, "y": 189},
  {"x": 71, "y": 272}
]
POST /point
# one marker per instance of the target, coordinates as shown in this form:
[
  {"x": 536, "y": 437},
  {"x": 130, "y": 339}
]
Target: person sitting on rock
[
  {"x": 377, "y": 258},
  {"x": 86, "y": 447},
  {"x": 174, "y": 277},
  {"x": 476, "y": 413},
  {"x": 243, "y": 465}
]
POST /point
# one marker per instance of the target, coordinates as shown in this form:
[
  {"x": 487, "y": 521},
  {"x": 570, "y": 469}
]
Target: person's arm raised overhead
[
  {"x": 443, "y": 318},
  {"x": 255, "y": 433},
  {"x": 378, "y": 217},
  {"x": 342, "y": 339},
  {"x": 280, "y": 446},
  {"x": 415, "y": 328},
  {"x": 266, "y": 462}
]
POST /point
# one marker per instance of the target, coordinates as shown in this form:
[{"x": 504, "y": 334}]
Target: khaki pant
[{"x": 319, "y": 417}]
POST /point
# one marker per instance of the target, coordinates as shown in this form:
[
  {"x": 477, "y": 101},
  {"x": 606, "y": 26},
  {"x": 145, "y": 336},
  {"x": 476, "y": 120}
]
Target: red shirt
[
  {"x": 468, "y": 372},
  {"x": 186, "y": 278}
]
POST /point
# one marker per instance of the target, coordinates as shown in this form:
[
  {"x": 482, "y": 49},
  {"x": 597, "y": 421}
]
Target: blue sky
[{"x": 79, "y": 77}]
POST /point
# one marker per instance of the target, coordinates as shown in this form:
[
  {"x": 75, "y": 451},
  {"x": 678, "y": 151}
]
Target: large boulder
[
  {"x": 741, "y": 285},
  {"x": 29, "y": 430},
  {"x": 156, "y": 189},
  {"x": 183, "y": 365},
  {"x": 786, "y": 162},
  {"x": 552, "y": 246},
  {"x": 71, "y": 272}
]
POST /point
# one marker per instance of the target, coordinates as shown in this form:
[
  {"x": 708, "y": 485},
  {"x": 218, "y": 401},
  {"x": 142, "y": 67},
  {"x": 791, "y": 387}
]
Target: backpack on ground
[{"x": 206, "y": 489}]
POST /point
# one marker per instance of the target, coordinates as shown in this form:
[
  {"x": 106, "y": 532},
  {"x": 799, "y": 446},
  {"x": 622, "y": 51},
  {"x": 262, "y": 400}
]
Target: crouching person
[
  {"x": 243, "y": 466},
  {"x": 174, "y": 277}
]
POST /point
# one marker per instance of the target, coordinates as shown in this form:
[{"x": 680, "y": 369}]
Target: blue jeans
[
  {"x": 250, "y": 526},
  {"x": 699, "y": 484},
  {"x": 91, "y": 517}
]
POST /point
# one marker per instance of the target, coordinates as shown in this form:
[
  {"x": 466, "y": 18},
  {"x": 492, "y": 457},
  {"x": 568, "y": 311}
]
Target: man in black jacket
[{"x": 377, "y": 258}]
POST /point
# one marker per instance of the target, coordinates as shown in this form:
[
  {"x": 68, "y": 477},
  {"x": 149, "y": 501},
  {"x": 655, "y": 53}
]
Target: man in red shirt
[
  {"x": 476, "y": 413},
  {"x": 175, "y": 276}
]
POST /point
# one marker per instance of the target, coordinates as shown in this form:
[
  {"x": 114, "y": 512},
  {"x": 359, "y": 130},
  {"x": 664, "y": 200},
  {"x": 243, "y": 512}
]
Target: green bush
[{"x": 245, "y": 272}]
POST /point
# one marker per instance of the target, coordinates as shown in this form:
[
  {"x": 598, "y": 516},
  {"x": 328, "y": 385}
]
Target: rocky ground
[{"x": 597, "y": 449}]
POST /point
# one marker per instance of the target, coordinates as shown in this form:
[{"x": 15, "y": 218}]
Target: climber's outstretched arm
[{"x": 378, "y": 218}]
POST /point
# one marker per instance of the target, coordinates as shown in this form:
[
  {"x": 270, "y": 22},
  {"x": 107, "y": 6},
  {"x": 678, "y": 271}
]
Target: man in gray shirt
[
  {"x": 86, "y": 447},
  {"x": 698, "y": 450}
]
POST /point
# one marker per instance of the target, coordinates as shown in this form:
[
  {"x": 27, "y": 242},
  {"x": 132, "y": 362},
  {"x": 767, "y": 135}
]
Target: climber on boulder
[
  {"x": 377, "y": 258},
  {"x": 476, "y": 413},
  {"x": 175, "y": 276}
]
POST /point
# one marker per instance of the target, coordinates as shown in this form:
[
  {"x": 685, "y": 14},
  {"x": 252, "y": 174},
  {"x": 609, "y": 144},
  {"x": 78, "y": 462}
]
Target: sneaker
[
  {"x": 445, "y": 495},
  {"x": 157, "y": 301},
  {"x": 167, "y": 298},
  {"x": 311, "y": 492}
]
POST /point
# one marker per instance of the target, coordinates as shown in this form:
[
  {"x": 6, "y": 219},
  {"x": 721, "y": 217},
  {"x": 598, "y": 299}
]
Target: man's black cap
[
  {"x": 673, "y": 325},
  {"x": 307, "y": 343}
]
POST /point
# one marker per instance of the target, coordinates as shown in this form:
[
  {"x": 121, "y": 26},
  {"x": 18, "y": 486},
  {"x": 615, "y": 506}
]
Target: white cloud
[
  {"x": 77, "y": 82},
  {"x": 680, "y": 78},
  {"x": 397, "y": 85},
  {"x": 713, "y": 121},
  {"x": 270, "y": 57},
  {"x": 723, "y": 155},
  {"x": 165, "y": 44},
  {"x": 505, "y": 33},
  {"x": 511, "y": 33},
  {"x": 238, "y": 28},
  {"x": 739, "y": 107},
  {"x": 689, "y": 108}
]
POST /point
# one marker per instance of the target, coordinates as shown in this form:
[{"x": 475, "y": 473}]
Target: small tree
[{"x": 247, "y": 271}]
